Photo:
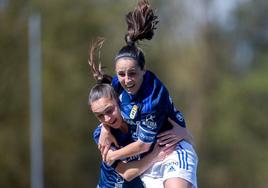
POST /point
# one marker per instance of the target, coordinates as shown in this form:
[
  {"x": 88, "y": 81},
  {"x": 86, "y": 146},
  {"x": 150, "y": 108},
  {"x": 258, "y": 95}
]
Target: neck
[{"x": 124, "y": 127}]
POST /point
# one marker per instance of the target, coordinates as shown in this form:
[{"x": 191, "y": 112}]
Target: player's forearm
[
  {"x": 185, "y": 134},
  {"x": 130, "y": 150},
  {"x": 181, "y": 132},
  {"x": 132, "y": 169}
]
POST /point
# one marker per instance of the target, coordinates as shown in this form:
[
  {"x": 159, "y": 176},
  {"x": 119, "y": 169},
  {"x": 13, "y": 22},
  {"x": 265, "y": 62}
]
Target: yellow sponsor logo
[{"x": 133, "y": 112}]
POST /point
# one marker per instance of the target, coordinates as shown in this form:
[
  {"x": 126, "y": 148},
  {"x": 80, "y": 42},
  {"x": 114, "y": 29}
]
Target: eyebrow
[
  {"x": 105, "y": 109},
  {"x": 132, "y": 69}
]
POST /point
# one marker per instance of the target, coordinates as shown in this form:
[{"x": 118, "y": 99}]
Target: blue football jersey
[
  {"x": 109, "y": 178},
  {"x": 147, "y": 111}
]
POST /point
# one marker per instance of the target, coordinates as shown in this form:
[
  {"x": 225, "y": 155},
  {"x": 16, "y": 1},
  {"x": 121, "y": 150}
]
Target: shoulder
[
  {"x": 154, "y": 91},
  {"x": 96, "y": 134},
  {"x": 115, "y": 80},
  {"x": 153, "y": 84},
  {"x": 116, "y": 85}
]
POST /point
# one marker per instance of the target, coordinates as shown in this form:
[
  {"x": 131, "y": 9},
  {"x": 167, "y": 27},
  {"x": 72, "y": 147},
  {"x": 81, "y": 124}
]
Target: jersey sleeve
[
  {"x": 176, "y": 115},
  {"x": 153, "y": 115},
  {"x": 150, "y": 125},
  {"x": 117, "y": 86},
  {"x": 156, "y": 109},
  {"x": 96, "y": 134}
]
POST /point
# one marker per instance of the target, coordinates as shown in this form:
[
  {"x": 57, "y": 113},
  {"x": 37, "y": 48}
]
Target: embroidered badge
[{"x": 133, "y": 112}]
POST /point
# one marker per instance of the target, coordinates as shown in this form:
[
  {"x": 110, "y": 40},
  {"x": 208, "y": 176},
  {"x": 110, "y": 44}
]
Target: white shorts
[{"x": 181, "y": 163}]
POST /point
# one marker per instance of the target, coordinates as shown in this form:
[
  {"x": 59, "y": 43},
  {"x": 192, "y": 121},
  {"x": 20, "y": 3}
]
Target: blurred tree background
[{"x": 211, "y": 54}]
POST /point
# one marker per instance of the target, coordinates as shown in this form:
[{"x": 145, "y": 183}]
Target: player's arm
[
  {"x": 168, "y": 138},
  {"x": 146, "y": 131},
  {"x": 175, "y": 135},
  {"x": 105, "y": 140},
  {"x": 135, "y": 148},
  {"x": 133, "y": 169}
]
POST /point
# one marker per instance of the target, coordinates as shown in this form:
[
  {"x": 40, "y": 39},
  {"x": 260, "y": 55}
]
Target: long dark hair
[
  {"x": 141, "y": 25},
  {"x": 103, "y": 87}
]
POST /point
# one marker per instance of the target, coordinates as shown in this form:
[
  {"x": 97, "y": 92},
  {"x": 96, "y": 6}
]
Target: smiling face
[
  {"x": 107, "y": 111},
  {"x": 129, "y": 74}
]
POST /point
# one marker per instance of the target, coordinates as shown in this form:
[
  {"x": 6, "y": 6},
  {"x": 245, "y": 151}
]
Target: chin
[
  {"x": 117, "y": 126},
  {"x": 132, "y": 92}
]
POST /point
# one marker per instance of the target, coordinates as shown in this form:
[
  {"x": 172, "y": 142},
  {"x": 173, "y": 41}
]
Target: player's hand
[
  {"x": 161, "y": 152},
  {"x": 105, "y": 141},
  {"x": 168, "y": 138},
  {"x": 108, "y": 160},
  {"x": 175, "y": 135}
]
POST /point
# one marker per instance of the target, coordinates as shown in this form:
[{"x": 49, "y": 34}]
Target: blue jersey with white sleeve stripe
[{"x": 147, "y": 111}]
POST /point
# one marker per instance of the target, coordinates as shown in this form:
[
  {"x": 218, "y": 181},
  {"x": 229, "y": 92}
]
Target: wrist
[{"x": 112, "y": 156}]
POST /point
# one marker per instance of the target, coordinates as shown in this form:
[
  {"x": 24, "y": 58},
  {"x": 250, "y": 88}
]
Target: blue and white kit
[
  {"x": 181, "y": 163},
  {"x": 147, "y": 114},
  {"x": 109, "y": 178}
]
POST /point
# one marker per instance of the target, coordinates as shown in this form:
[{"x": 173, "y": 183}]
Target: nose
[
  {"x": 107, "y": 118},
  {"x": 127, "y": 78}
]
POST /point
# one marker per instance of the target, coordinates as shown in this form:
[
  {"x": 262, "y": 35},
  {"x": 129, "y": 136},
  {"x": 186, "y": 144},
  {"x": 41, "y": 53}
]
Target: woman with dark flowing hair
[
  {"x": 103, "y": 102},
  {"x": 145, "y": 106}
]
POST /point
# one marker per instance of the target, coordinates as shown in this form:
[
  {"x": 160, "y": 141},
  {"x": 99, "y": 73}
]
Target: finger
[
  {"x": 106, "y": 144},
  {"x": 105, "y": 152},
  {"x": 172, "y": 143},
  {"x": 166, "y": 139},
  {"x": 109, "y": 163},
  {"x": 100, "y": 147},
  {"x": 115, "y": 142},
  {"x": 164, "y": 133},
  {"x": 102, "y": 153},
  {"x": 164, "y": 142},
  {"x": 169, "y": 146},
  {"x": 169, "y": 149},
  {"x": 172, "y": 122},
  {"x": 169, "y": 143}
]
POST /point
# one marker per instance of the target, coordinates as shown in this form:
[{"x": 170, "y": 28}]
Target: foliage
[{"x": 217, "y": 77}]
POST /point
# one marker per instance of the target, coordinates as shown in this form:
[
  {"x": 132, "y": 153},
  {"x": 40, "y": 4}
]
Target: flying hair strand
[{"x": 96, "y": 70}]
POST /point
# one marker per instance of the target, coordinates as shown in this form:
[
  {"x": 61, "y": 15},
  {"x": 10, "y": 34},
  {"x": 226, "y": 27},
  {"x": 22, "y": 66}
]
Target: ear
[
  {"x": 144, "y": 69},
  {"x": 143, "y": 72}
]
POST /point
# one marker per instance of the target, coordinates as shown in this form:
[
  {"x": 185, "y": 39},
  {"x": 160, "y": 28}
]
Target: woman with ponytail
[
  {"x": 103, "y": 101},
  {"x": 145, "y": 106}
]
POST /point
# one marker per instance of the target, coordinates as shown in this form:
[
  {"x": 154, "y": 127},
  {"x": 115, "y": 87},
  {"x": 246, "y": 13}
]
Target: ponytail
[
  {"x": 141, "y": 25},
  {"x": 96, "y": 70},
  {"x": 103, "y": 87}
]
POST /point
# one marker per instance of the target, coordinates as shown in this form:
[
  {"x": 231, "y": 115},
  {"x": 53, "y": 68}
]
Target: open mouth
[
  {"x": 112, "y": 123},
  {"x": 115, "y": 124},
  {"x": 130, "y": 86}
]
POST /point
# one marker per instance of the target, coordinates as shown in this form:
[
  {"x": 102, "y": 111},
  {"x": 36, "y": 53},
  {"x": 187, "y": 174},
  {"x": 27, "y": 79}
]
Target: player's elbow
[
  {"x": 129, "y": 176},
  {"x": 126, "y": 172}
]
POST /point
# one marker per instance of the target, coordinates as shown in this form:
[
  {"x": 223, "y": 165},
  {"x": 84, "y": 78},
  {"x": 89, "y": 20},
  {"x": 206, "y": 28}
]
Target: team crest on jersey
[
  {"x": 179, "y": 116},
  {"x": 133, "y": 112}
]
